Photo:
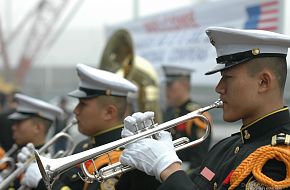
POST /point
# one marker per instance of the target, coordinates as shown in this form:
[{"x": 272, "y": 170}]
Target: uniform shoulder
[{"x": 83, "y": 145}]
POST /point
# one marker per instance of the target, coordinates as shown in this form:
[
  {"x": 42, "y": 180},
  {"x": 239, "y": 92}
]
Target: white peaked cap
[
  {"x": 28, "y": 107},
  {"x": 95, "y": 82},
  {"x": 173, "y": 72},
  {"x": 178, "y": 69},
  {"x": 235, "y": 46}
]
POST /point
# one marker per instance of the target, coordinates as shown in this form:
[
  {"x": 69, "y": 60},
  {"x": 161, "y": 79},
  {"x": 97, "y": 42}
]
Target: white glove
[
  {"x": 130, "y": 127},
  {"x": 32, "y": 176},
  {"x": 25, "y": 153},
  {"x": 137, "y": 122},
  {"x": 143, "y": 120},
  {"x": 150, "y": 155},
  {"x": 149, "y": 118},
  {"x": 1, "y": 178}
]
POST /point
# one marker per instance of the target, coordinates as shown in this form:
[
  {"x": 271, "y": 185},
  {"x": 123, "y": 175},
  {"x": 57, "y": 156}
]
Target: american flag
[{"x": 264, "y": 16}]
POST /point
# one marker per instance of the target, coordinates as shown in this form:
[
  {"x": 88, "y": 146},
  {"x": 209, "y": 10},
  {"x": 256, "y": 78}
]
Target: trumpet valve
[{"x": 113, "y": 170}]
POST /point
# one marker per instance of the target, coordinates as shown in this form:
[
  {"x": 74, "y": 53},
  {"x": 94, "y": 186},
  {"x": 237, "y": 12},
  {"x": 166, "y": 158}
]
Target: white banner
[{"x": 178, "y": 37}]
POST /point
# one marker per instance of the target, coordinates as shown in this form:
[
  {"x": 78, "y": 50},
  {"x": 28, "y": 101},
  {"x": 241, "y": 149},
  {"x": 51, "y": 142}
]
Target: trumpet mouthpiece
[{"x": 219, "y": 103}]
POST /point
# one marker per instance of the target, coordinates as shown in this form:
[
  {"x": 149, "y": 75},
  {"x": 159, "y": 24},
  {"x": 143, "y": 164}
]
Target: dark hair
[
  {"x": 277, "y": 65},
  {"x": 46, "y": 123},
  {"x": 118, "y": 101}
]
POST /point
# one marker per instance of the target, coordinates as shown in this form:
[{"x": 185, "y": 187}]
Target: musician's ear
[
  {"x": 265, "y": 80},
  {"x": 110, "y": 112}
]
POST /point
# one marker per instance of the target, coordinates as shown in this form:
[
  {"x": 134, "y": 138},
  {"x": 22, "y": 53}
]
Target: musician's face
[
  {"x": 175, "y": 91},
  {"x": 24, "y": 131},
  {"x": 89, "y": 114},
  {"x": 239, "y": 92}
]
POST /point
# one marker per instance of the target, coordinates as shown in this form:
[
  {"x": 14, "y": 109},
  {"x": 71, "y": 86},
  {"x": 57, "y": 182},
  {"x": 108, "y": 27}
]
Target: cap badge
[
  {"x": 212, "y": 41},
  {"x": 255, "y": 51}
]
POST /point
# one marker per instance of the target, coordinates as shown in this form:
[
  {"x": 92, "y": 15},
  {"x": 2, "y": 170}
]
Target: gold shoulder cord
[
  {"x": 256, "y": 160},
  {"x": 101, "y": 161}
]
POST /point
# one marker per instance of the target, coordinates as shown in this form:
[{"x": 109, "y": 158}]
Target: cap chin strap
[
  {"x": 241, "y": 57},
  {"x": 95, "y": 93}
]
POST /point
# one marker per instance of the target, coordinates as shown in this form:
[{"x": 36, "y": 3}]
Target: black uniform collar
[
  {"x": 178, "y": 110},
  {"x": 107, "y": 136},
  {"x": 39, "y": 147},
  {"x": 184, "y": 104},
  {"x": 265, "y": 124}
]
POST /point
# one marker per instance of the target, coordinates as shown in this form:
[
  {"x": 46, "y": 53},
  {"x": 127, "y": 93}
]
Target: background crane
[{"x": 41, "y": 26}]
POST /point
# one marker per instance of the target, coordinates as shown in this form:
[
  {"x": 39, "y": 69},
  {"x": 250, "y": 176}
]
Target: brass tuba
[{"x": 119, "y": 57}]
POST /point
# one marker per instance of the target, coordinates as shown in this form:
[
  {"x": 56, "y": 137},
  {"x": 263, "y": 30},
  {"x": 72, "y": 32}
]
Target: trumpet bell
[{"x": 46, "y": 175}]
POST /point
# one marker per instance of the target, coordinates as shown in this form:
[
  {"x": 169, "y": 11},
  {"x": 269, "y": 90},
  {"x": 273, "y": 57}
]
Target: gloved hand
[
  {"x": 150, "y": 155},
  {"x": 32, "y": 176},
  {"x": 130, "y": 127},
  {"x": 25, "y": 153},
  {"x": 137, "y": 122}
]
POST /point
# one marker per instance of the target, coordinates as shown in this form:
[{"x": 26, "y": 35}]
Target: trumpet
[
  {"x": 62, "y": 134},
  {"x": 117, "y": 168},
  {"x": 50, "y": 169}
]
